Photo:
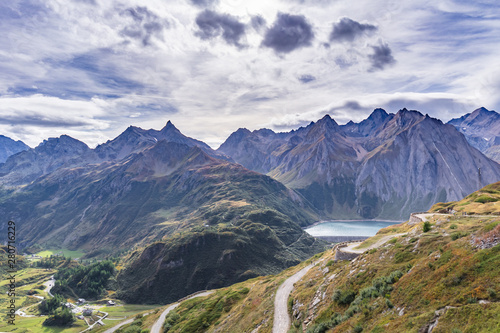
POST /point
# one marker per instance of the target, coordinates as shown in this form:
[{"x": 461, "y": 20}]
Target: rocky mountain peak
[
  {"x": 169, "y": 127},
  {"x": 327, "y": 123},
  {"x": 482, "y": 114},
  {"x": 406, "y": 117},
  {"x": 9, "y": 147},
  {"x": 378, "y": 115},
  {"x": 64, "y": 142}
]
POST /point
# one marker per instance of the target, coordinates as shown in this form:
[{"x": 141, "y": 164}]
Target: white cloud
[{"x": 60, "y": 55}]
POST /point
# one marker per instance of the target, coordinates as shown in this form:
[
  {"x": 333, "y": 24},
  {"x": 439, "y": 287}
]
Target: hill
[
  {"x": 484, "y": 201},
  {"x": 441, "y": 278}
]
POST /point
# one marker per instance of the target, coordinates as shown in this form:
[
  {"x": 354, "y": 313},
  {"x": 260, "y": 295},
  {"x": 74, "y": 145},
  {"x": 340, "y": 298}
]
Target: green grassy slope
[{"x": 447, "y": 276}]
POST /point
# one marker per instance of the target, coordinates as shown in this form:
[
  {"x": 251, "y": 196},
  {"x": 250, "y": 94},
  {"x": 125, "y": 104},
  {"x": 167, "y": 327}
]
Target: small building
[
  {"x": 111, "y": 303},
  {"x": 79, "y": 317},
  {"x": 80, "y": 301},
  {"x": 87, "y": 312},
  {"x": 69, "y": 305}
]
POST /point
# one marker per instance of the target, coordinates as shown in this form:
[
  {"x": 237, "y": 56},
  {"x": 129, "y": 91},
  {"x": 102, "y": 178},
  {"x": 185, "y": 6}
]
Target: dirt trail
[
  {"x": 157, "y": 326},
  {"x": 351, "y": 247},
  {"x": 281, "y": 318}
]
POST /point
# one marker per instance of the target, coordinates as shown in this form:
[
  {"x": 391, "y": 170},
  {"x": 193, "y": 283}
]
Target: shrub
[
  {"x": 61, "y": 317},
  {"x": 358, "y": 328},
  {"x": 453, "y": 226},
  {"x": 427, "y": 226},
  {"x": 485, "y": 198},
  {"x": 344, "y": 297},
  {"x": 395, "y": 276},
  {"x": 457, "y": 235},
  {"x": 402, "y": 256},
  {"x": 389, "y": 303}
]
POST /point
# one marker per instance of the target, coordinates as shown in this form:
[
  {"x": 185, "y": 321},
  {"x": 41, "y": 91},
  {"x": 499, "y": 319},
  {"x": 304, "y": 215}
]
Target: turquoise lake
[{"x": 348, "y": 228}]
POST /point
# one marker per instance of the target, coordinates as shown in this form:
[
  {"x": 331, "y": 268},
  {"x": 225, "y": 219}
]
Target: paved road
[
  {"x": 282, "y": 320},
  {"x": 49, "y": 284},
  {"x": 351, "y": 247}
]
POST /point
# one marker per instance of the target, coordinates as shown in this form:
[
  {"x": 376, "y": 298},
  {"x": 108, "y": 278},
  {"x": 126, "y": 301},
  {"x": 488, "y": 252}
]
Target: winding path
[
  {"x": 48, "y": 286},
  {"x": 282, "y": 321},
  {"x": 156, "y": 328},
  {"x": 351, "y": 247}
]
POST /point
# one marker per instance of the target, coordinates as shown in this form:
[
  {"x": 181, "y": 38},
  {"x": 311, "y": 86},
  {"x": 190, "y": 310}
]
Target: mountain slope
[
  {"x": 445, "y": 279},
  {"x": 427, "y": 163},
  {"x": 66, "y": 152},
  {"x": 209, "y": 221},
  {"x": 10, "y": 147},
  {"x": 386, "y": 166},
  {"x": 482, "y": 130}
]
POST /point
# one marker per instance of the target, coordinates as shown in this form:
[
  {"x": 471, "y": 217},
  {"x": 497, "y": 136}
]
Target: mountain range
[
  {"x": 386, "y": 166},
  {"x": 181, "y": 213}
]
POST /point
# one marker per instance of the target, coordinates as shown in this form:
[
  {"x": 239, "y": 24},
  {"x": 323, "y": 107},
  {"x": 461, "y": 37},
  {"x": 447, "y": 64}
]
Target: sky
[{"x": 91, "y": 68}]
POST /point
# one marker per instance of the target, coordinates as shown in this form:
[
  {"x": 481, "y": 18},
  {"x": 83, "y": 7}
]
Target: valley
[{"x": 153, "y": 216}]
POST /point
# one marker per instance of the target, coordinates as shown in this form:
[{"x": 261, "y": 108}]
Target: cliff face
[{"x": 386, "y": 166}]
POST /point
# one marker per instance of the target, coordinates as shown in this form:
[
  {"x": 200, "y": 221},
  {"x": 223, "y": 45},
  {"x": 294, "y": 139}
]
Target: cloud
[
  {"x": 347, "y": 30},
  {"x": 212, "y": 25},
  {"x": 306, "y": 78},
  {"x": 144, "y": 26},
  {"x": 381, "y": 57},
  {"x": 443, "y": 106},
  {"x": 204, "y": 3},
  {"x": 288, "y": 33},
  {"x": 258, "y": 22},
  {"x": 87, "y": 2}
]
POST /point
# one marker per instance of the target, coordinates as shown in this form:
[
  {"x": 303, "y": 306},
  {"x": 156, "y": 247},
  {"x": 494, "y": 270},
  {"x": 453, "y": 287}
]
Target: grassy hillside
[
  {"x": 259, "y": 243},
  {"x": 484, "y": 201},
  {"x": 442, "y": 273}
]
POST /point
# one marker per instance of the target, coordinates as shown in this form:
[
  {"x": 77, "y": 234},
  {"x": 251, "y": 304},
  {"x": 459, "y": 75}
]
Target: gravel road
[{"x": 281, "y": 318}]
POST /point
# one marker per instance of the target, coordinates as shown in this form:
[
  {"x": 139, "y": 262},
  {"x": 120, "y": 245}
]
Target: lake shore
[{"x": 374, "y": 220}]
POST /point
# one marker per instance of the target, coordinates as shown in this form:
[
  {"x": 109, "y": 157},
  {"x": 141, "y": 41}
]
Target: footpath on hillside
[{"x": 282, "y": 321}]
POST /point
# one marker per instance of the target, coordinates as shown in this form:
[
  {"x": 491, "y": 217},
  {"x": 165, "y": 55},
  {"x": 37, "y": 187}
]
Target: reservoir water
[{"x": 347, "y": 230}]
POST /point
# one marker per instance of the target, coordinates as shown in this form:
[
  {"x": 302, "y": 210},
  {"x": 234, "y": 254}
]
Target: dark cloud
[
  {"x": 212, "y": 25},
  {"x": 98, "y": 73},
  {"x": 381, "y": 57},
  {"x": 306, "y": 78},
  {"x": 41, "y": 120},
  {"x": 258, "y": 22},
  {"x": 146, "y": 24},
  {"x": 346, "y": 30},
  {"x": 204, "y": 3},
  {"x": 289, "y": 32},
  {"x": 353, "y": 105}
]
